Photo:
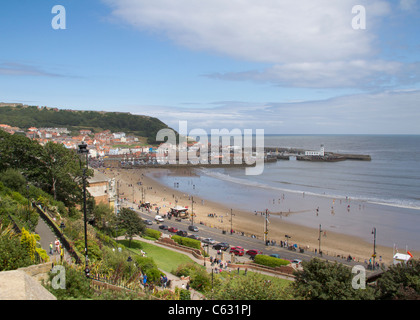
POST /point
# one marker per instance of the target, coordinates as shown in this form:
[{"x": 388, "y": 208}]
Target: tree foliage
[
  {"x": 130, "y": 222},
  {"x": 25, "y": 117},
  {"x": 401, "y": 282},
  {"x": 52, "y": 167},
  {"x": 12, "y": 254},
  {"x": 321, "y": 280},
  {"x": 252, "y": 286}
]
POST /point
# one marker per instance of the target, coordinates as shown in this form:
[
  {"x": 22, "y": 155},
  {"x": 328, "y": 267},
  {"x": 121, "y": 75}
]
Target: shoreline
[{"x": 159, "y": 195}]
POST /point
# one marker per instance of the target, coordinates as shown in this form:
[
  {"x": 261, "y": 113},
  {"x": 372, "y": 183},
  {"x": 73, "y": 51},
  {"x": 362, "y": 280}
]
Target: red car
[
  {"x": 172, "y": 229},
  {"x": 239, "y": 252},
  {"x": 234, "y": 248},
  {"x": 253, "y": 252}
]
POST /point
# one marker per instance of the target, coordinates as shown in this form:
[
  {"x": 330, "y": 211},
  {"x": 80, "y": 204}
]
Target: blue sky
[{"x": 283, "y": 66}]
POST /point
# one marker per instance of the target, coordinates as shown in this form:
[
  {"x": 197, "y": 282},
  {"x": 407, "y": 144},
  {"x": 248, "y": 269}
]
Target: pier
[{"x": 302, "y": 155}]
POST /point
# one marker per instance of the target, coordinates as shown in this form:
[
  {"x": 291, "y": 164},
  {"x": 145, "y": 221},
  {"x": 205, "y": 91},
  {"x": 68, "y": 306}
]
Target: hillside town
[
  {"x": 100, "y": 145},
  {"x": 118, "y": 149}
]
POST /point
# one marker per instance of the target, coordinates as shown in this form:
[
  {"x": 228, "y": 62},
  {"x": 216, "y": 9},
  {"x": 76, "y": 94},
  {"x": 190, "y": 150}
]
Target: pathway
[{"x": 48, "y": 236}]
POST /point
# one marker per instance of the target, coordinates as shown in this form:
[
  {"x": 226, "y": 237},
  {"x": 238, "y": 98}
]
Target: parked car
[
  {"x": 298, "y": 262},
  {"x": 234, "y": 248},
  {"x": 193, "y": 236},
  {"x": 239, "y": 251},
  {"x": 173, "y": 229},
  {"x": 221, "y": 246},
  {"x": 209, "y": 241},
  {"x": 159, "y": 218},
  {"x": 253, "y": 252},
  {"x": 182, "y": 233},
  {"x": 275, "y": 255},
  {"x": 193, "y": 228},
  {"x": 163, "y": 227},
  {"x": 148, "y": 222}
]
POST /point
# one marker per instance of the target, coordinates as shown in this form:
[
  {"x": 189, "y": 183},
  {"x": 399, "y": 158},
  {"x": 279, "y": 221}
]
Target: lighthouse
[{"x": 321, "y": 152}]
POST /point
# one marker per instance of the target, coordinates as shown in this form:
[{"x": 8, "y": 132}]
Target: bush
[
  {"x": 270, "y": 261},
  {"x": 188, "y": 242},
  {"x": 199, "y": 278},
  {"x": 76, "y": 285},
  {"x": 153, "y": 275},
  {"x": 12, "y": 254},
  {"x": 145, "y": 263},
  {"x": 155, "y": 234}
]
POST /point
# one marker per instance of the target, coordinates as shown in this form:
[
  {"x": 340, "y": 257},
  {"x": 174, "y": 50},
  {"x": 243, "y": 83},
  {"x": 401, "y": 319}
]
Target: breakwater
[{"x": 299, "y": 154}]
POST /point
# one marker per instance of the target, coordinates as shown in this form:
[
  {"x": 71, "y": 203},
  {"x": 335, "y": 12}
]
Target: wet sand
[{"x": 282, "y": 222}]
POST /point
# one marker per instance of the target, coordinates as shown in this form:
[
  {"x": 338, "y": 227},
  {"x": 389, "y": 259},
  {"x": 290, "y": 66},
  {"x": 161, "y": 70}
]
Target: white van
[{"x": 159, "y": 218}]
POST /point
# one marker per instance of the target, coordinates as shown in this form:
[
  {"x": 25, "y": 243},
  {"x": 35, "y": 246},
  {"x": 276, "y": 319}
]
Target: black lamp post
[
  {"x": 374, "y": 247},
  {"x": 62, "y": 226},
  {"x": 319, "y": 239},
  {"x": 83, "y": 150}
]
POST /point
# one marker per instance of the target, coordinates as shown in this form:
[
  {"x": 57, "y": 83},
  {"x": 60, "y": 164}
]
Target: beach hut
[{"x": 402, "y": 258}]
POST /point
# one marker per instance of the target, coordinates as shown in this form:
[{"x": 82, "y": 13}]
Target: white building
[
  {"x": 401, "y": 258},
  {"x": 321, "y": 152}
]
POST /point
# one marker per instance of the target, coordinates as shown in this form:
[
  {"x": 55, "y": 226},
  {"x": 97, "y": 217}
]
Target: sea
[{"x": 389, "y": 183}]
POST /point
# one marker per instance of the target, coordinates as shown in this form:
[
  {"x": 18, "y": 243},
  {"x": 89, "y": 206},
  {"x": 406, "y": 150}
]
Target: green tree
[
  {"x": 131, "y": 223},
  {"x": 21, "y": 153},
  {"x": 13, "y": 179},
  {"x": 62, "y": 172},
  {"x": 103, "y": 217},
  {"x": 321, "y": 280},
  {"x": 400, "y": 282}
]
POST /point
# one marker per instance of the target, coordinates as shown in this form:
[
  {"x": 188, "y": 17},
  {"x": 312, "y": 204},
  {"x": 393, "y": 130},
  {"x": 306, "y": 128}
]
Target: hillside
[{"x": 33, "y": 116}]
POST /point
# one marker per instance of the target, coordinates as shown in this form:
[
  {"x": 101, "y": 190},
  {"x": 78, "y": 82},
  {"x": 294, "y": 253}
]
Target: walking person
[{"x": 57, "y": 245}]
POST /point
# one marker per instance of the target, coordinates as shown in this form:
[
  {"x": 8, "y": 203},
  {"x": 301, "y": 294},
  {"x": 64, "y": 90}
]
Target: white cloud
[
  {"x": 264, "y": 31},
  {"x": 332, "y": 74},
  {"x": 379, "y": 113}
]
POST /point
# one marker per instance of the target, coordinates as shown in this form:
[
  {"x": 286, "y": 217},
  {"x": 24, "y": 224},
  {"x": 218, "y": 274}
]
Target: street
[{"x": 233, "y": 240}]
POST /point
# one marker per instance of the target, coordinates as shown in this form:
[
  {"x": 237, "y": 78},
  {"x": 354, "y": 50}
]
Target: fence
[{"x": 58, "y": 233}]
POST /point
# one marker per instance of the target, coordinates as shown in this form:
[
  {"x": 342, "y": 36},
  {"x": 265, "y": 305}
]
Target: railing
[{"x": 58, "y": 233}]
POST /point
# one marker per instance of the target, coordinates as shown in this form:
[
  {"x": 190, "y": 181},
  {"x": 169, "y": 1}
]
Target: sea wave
[{"x": 398, "y": 203}]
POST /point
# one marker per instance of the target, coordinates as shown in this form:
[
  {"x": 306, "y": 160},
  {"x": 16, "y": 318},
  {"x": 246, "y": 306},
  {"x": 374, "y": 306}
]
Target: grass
[{"x": 166, "y": 259}]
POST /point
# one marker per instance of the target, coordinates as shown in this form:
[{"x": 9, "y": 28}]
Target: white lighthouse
[{"x": 321, "y": 152}]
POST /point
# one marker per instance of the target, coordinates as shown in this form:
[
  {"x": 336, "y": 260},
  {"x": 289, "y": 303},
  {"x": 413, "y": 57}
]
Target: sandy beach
[{"x": 163, "y": 197}]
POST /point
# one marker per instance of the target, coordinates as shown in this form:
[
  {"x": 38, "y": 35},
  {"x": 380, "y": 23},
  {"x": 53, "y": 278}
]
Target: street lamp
[
  {"x": 83, "y": 150},
  {"x": 374, "y": 247},
  {"x": 62, "y": 226},
  {"x": 319, "y": 239}
]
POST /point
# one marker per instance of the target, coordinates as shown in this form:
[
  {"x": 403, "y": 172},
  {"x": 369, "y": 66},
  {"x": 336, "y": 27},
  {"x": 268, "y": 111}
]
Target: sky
[{"x": 285, "y": 66}]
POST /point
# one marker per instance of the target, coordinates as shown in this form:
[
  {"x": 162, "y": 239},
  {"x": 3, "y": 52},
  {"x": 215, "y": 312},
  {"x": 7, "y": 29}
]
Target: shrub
[
  {"x": 153, "y": 275},
  {"x": 145, "y": 263},
  {"x": 270, "y": 261},
  {"x": 12, "y": 254},
  {"x": 199, "y": 278},
  {"x": 155, "y": 234},
  {"x": 188, "y": 242},
  {"x": 76, "y": 285}
]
